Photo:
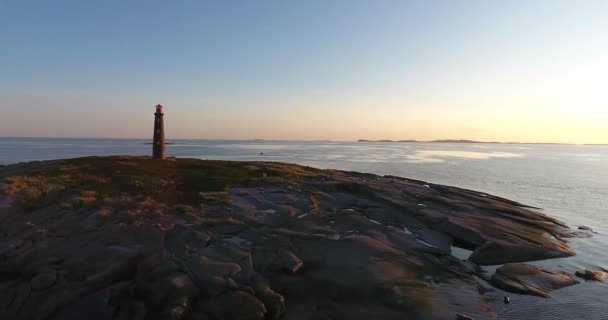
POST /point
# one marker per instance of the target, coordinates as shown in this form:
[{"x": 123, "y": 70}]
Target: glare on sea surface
[{"x": 434, "y": 156}]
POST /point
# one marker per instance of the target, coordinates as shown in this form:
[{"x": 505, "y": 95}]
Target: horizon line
[{"x": 455, "y": 141}]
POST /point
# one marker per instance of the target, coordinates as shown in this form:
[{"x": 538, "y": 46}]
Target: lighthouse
[{"x": 158, "y": 148}]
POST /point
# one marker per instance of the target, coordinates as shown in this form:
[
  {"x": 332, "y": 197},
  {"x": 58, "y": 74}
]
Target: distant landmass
[
  {"x": 461, "y": 141},
  {"x": 431, "y": 141}
]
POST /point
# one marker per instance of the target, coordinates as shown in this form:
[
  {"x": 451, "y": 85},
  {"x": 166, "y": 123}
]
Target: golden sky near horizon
[{"x": 370, "y": 118}]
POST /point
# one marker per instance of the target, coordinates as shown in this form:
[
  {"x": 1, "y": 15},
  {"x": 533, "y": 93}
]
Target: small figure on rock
[{"x": 507, "y": 299}]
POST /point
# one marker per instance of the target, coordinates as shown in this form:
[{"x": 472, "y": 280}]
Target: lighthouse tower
[{"x": 158, "y": 148}]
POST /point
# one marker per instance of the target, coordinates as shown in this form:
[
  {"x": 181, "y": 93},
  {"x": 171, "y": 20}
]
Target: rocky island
[{"x": 136, "y": 238}]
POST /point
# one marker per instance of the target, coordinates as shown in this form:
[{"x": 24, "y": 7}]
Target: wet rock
[
  {"x": 532, "y": 280},
  {"x": 593, "y": 275},
  {"x": 43, "y": 281},
  {"x": 463, "y": 317}
]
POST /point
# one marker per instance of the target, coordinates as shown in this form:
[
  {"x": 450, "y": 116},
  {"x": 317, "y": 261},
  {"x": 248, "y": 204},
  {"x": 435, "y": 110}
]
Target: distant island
[
  {"x": 463, "y": 141},
  {"x": 431, "y": 141}
]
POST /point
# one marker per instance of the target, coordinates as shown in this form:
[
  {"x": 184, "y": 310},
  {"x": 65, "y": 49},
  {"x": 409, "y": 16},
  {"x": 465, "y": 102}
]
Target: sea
[{"x": 568, "y": 182}]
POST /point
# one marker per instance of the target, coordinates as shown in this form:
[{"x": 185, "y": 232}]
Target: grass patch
[
  {"x": 195, "y": 177},
  {"x": 180, "y": 184},
  {"x": 33, "y": 192}
]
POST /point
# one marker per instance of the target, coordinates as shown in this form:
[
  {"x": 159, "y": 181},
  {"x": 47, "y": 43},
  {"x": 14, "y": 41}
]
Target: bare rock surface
[
  {"x": 529, "y": 279},
  {"x": 133, "y": 238}
]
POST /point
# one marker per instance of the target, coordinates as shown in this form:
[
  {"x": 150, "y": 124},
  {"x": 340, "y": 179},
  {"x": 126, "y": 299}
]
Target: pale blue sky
[{"x": 488, "y": 70}]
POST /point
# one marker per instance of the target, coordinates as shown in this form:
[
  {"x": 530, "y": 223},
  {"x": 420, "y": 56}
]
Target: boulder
[
  {"x": 593, "y": 275},
  {"x": 276, "y": 260},
  {"x": 286, "y": 261},
  {"x": 500, "y": 252},
  {"x": 529, "y": 279},
  {"x": 460, "y": 231}
]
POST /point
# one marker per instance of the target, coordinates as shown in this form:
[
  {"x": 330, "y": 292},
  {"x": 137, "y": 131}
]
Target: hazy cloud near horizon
[{"x": 525, "y": 71}]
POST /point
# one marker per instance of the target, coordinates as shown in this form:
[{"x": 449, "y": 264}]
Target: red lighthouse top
[{"x": 159, "y": 109}]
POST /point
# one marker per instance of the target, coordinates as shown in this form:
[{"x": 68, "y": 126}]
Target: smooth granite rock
[
  {"x": 529, "y": 279},
  {"x": 192, "y": 239}
]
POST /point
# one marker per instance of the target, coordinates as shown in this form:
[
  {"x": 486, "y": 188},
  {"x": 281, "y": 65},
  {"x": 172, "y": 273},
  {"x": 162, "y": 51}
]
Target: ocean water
[{"x": 569, "y": 182}]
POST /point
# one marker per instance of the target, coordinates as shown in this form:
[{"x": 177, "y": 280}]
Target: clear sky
[{"x": 530, "y": 71}]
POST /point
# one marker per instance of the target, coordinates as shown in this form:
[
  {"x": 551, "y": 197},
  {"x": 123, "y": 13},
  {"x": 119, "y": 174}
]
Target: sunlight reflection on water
[
  {"x": 426, "y": 154},
  {"x": 255, "y": 146}
]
